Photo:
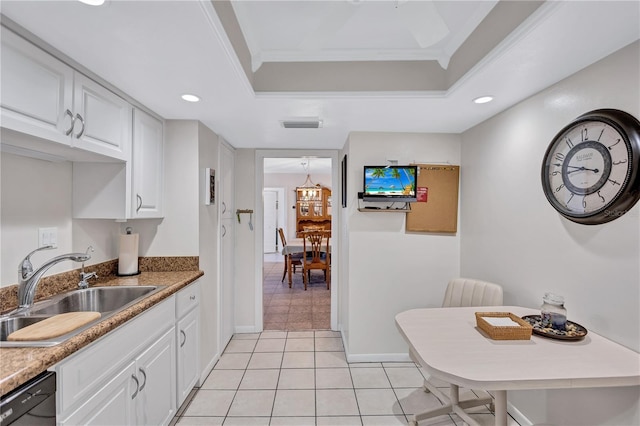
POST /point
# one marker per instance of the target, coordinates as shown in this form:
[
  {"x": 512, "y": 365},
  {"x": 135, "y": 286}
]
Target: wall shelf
[
  {"x": 382, "y": 210},
  {"x": 378, "y": 208}
]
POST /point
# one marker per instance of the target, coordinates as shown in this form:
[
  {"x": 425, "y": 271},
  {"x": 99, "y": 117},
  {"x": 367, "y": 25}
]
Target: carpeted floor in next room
[{"x": 294, "y": 309}]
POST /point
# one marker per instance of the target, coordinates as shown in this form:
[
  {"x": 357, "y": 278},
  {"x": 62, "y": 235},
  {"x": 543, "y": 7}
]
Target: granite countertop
[{"x": 18, "y": 365}]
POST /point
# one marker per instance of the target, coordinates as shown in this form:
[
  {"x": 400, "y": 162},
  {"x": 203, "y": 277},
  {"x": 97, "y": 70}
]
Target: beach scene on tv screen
[{"x": 390, "y": 181}]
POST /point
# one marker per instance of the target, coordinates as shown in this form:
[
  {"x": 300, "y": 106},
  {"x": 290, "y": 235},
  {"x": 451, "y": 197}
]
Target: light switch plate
[{"x": 48, "y": 237}]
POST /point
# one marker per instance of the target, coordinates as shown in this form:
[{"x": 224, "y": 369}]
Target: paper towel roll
[{"x": 128, "y": 259}]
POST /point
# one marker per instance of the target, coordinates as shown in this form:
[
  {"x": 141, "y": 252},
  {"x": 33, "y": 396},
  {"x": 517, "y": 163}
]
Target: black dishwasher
[{"x": 33, "y": 403}]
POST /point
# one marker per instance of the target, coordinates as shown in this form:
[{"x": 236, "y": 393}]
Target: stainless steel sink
[
  {"x": 98, "y": 299},
  {"x": 106, "y": 300},
  {"x": 9, "y": 325}
]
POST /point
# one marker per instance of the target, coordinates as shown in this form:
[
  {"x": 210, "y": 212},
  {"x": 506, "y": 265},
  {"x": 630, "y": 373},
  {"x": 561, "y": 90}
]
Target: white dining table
[{"x": 449, "y": 346}]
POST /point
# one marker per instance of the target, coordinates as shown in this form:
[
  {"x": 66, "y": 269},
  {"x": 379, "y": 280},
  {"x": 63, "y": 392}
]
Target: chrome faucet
[
  {"x": 28, "y": 279},
  {"x": 84, "y": 276}
]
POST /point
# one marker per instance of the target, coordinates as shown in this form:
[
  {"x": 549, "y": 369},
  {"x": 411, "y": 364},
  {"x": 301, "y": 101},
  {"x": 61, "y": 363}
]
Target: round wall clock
[{"x": 591, "y": 170}]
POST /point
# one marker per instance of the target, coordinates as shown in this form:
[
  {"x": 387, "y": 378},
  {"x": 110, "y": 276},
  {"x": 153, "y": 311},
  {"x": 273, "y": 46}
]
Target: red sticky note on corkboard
[{"x": 421, "y": 194}]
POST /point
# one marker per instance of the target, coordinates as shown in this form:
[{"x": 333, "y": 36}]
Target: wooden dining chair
[
  {"x": 291, "y": 260},
  {"x": 316, "y": 257}
]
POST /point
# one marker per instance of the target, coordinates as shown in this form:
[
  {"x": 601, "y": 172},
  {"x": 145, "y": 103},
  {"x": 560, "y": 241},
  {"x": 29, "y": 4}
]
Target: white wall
[
  {"x": 177, "y": 233},
  {"x": 189, "y": 227},
  {"x": 245, "y": 261},
  {"x": 342, "y": 304},
  {"x": 289, "y": 181},
  {"x": 37, "y": 194},
  {"x": 389, "y": 269},
  {"x": 511, "y": 235},
  {"x": 207, "y": 237}
]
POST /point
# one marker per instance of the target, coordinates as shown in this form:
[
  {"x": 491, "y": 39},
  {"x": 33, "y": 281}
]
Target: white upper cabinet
[
  {"x": 122, "y": 191},
  {"x": 45, "y": 98},
  {"x": 102, "y": 120},
  {"x": 148, "y": 166},
  {"x": 37, "y": 90}
]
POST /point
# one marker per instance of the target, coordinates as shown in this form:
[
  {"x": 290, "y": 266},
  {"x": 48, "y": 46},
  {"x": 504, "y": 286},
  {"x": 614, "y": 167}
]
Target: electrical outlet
[{"x": 48, "y": 237}]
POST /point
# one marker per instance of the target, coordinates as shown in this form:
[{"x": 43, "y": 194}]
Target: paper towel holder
[{"x": 129, "y": 231}]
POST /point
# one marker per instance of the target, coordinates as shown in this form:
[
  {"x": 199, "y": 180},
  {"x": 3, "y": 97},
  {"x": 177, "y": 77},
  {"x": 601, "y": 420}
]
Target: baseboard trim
[
  {"x": 207, "y": 370},
  {"x": 246, "y": 329},
  {"x": 392, "y": 357}
]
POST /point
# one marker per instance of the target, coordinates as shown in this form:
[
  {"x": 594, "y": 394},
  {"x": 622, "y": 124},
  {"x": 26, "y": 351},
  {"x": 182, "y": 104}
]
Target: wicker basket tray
[{"x": 507, "y": 332}]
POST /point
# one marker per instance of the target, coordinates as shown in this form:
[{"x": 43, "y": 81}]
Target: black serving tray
[{"x": 574, "y": 330}]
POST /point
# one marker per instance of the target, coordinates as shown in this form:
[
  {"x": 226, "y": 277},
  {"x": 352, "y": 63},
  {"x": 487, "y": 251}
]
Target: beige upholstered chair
[
  {"x": 461, "y": 292},
  {"x": 468, "y": 292}
]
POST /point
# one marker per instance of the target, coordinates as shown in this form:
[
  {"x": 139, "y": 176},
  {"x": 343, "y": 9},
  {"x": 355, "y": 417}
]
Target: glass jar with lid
[{"x": 553, "y": 312}]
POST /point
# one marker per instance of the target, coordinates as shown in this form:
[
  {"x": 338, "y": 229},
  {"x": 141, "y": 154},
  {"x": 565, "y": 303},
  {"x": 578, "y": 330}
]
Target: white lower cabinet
[
  {"x": 128, "y": 377},
  {"x": 112, "y": 405},
  {"x": 155, "y": 372},
  {"x": 187, "y": 337},
  {"x": 143, "y": 393}
]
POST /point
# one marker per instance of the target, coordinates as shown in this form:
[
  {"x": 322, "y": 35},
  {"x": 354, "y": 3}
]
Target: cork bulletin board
[{"x": 437, "y": 206}]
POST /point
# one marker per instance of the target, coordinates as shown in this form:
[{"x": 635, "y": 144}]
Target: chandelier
[{"x": 308, "y": 191}]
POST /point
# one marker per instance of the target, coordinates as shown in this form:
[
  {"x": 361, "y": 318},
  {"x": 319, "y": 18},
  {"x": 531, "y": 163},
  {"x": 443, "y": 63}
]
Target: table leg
[
  {"x": 501, "y": 407},
  {"x": 290, "y": 268}
]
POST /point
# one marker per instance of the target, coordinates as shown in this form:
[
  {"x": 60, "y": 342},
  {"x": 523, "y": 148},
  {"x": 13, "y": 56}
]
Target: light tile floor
[
  {"x": 301, "y": 378},
  {"x": 294, "y": 308}
]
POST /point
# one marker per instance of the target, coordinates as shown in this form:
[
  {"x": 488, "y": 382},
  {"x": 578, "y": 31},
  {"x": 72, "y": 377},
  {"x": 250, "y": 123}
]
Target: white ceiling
[
  {"x": 157, "y": 50},
  {"x": 289, "y": 31},
  {"x": 302, "y": 165}
]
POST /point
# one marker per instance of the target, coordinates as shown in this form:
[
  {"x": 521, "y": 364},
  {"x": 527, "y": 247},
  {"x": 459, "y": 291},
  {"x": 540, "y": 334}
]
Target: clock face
[{"x": 590, "y": 174}]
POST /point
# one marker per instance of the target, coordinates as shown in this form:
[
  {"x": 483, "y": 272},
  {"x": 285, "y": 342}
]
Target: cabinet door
[
  {"x": 102, "y": 120},
  {"x": 37, "y": 90},
  {"x": 111, "y": 405},
  {"x": 155, "y": 370},
  {"x": 187, "y": 335},
  {"x": 226, "y": 182},
  {"x": 148, "y": 166}
]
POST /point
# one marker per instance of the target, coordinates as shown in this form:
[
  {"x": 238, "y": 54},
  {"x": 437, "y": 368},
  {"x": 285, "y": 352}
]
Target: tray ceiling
[{"x": 349, "y": 65}]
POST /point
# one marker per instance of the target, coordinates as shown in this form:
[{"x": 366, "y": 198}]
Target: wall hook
[{"x": 247, "y": 211}]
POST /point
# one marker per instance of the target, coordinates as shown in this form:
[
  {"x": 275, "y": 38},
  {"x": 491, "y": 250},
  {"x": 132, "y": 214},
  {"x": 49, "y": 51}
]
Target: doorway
[
  {"x": 274, "y": 218},
  {"x": 279, "y": 307}
]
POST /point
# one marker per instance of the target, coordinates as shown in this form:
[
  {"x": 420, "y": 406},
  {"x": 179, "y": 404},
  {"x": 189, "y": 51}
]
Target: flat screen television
[{"x": 390, "y": 183}]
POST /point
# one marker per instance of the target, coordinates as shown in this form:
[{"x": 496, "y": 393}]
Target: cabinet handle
[
  {"x": 70, "y": 114},
  {"x": 184, "y": 335},
  {"x": 192, "y": 297},
  {"x": 79, "y": 117},
  {"x": 224, "y": 230},
  {"x": 133, "y": 376},
  {"x": 224, "y": 207},
  {"x": 139, "y": 203},
  {"x": 145, "y": 378}
]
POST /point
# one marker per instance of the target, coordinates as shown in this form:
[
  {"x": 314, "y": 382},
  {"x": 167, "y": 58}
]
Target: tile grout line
[
  {"x": 355, "y": 395},
  {"x": 393, "y": 389}
]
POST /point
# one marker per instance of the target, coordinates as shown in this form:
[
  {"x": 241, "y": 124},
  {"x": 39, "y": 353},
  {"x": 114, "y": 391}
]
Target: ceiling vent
[{"x": 301, "y": 124}]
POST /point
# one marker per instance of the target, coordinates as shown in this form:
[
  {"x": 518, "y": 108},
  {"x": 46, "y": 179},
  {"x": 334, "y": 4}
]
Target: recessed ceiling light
[
  {"x": 93, "y": 2},
  {"x": 190, "y": 98},
  {"x": 483, "y": 99}
]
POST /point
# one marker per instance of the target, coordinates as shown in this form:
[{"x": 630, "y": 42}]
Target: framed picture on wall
[
  {"x": 209, "y": 186},
  {"x": 344, "y": 181}
]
